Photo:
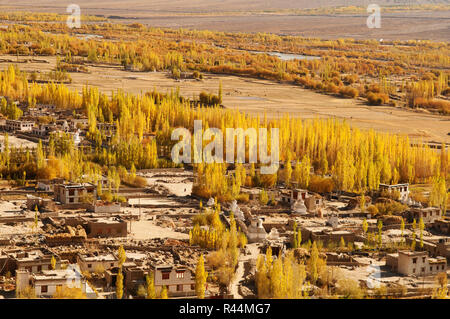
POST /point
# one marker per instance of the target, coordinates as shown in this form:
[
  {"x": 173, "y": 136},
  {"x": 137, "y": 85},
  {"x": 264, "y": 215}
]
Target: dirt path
[{"x": 240, "y": 272}]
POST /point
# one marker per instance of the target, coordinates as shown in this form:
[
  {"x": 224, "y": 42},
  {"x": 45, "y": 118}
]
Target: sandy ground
[
  {"x": 178, "y": 184},
  {"x": 145, "y": 229},
  {"x": 22, "y": 229},
  {"x": 258, "y": 96},
  {"x": 250, "y": 18},
  {"x": 9, "y": 208},
  {"x": 16, "y": 142}
]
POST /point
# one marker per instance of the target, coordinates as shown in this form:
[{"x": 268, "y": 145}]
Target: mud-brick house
[
  {"x": 96, "y": 262},
  {"x": 32, "y": 260},
  {"x": 106, "y": 227},
  {"x": 74, "y": 193},
  {"x": 416, "y": 263},
  {"x": 403, "y": 189},
  {"x": 179, "y": 280},
  {"x": 45, "y": 283},
  {"x": 429, "y": 215}
]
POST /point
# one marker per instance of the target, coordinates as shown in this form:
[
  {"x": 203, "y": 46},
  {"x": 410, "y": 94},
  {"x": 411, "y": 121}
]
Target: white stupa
[
  {"x": 234, "y": 208},
  {"x": 273, "y": 235},
  {"x": 76, "y": 137},
  {"x": 256, "y": 231},
  {"x": 210, "y": 202},
  {"x": 299, "y": 207}
]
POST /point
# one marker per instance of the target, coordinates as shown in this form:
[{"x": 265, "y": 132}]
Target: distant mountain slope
[{"x": 142, "y": 7}]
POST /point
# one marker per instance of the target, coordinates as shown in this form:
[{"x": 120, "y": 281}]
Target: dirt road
[{"x": 240, "y": 272}]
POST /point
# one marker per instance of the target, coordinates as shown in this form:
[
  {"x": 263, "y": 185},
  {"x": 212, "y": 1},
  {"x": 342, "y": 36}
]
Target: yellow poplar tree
[{"x": 200, "y": 278}]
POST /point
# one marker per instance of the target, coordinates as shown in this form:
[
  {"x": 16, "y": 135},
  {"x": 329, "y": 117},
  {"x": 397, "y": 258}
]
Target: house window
[
  {"x": 39, "y": 268},
  {"x": 423, "y": 269},
  {"x": 431, "y": 268},
  {"x": 442, "y": 267},
  {"x": 89, "y": 265},
  {"x": 112, "y": 264},
  {"x": 44, "y": 289},
  {"x": 192, "y": 286},
  {"x": 179, "y": 287},
  {"x": 165, "y": 275},
  {"x": 180, "y": 274},
  {"x": 414, "y": 270},
  {"x": 414, "y": 260},
  {"x": 423, "y": 259}
]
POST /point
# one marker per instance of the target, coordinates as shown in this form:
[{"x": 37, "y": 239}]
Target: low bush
[
  {"x": 348, "y": 92},
  {"x": 377, "y": 98}
]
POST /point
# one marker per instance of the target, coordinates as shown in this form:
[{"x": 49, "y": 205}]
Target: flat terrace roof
[{"x": 105, "y": 257}]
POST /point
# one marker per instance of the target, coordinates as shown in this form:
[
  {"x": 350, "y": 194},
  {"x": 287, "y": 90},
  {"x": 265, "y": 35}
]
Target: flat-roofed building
[
  {"x": 74, "y": 193},
  {"x": 403, "y": 189},
  {"x": 107, "y": 227},
  {"x": 179, "y": 280},
  {"x": 416, "y": 263},
  {"x": 442, "y": 226},
  {"x": 45, "y": 283},
  {"x": 94, "y": 263},
  {"x": 33, "y": 260},
  {"x": 18, "y": 125},
  {"x": 429, "y": 214}
]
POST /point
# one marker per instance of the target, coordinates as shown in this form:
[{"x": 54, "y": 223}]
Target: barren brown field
[
  {"x": 260, "y": 16},
  {"x": 256, "y": 96}
]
